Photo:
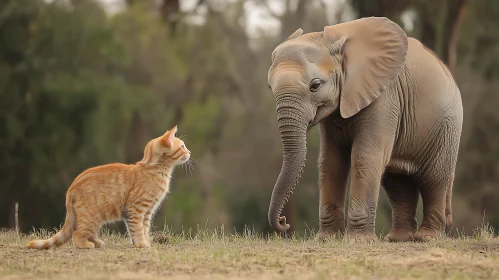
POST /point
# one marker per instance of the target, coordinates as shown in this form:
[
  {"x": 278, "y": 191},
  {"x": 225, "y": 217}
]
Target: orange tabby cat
[{"x": 119, "y": 191}]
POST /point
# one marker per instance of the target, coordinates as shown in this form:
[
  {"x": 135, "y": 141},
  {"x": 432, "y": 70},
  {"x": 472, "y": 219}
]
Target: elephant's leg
[
  {"x": 436, "y": 179},
  {"x": 367, "y": 166},
  {"x": 403, "y": 194},
  {"x": 434, "y": 195},
  {"x": 334, "y": 164}
]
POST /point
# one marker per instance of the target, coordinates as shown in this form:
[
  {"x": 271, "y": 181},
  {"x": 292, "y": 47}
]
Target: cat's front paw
[{"x": 142, "y": 244}]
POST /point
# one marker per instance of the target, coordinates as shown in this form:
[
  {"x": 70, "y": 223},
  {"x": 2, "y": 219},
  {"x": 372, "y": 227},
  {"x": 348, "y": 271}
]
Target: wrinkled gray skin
[{"x": 389, "y": 113}]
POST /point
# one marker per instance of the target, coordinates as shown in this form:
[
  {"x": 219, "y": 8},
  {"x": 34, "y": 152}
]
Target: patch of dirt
[{"x": 236, "y": 257}]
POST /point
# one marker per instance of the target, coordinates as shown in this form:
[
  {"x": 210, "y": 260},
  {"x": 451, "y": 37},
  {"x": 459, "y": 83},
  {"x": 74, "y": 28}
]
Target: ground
[{"x": 213, "y": 254}]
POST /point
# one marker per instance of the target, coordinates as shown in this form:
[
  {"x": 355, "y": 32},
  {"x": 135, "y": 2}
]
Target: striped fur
[{"x": 119, "y": 192}]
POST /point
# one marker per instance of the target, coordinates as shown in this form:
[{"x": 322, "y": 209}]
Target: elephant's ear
[
  {"x": 295, "y": 34},
  {"x": 375, "y": 50}
]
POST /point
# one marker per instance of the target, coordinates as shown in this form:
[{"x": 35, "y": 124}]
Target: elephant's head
[{"x": 347, "y": 66}]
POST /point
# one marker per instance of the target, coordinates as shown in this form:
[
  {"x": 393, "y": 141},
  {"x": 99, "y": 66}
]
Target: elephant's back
[
  {"x": 431, "y": 117},
  {"x": 435, "y": 92},
  {"x": 431, "y": 114}
]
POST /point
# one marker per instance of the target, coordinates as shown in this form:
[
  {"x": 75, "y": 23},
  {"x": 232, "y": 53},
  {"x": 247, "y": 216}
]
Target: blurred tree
[
  {"x": 15, "y": 72},
  {"x": 381, "y": 8},
  {"x": 170, "y": 13},
  {"x": 477, "y": 73},
  {"x": 44, "y": 110}
]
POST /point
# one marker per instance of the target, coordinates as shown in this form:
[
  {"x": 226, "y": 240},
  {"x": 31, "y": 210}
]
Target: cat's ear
[
  {"x": 167, "y": 138},
  {"x": 173, "y": 130}
]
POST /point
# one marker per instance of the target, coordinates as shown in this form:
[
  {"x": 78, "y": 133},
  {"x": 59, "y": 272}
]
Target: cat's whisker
[
  {"x": 189, "y": 166},
  {"x": 191, "y": 159}
]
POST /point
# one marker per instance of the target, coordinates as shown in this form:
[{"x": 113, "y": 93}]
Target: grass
[{"x": 213, "y": 254}]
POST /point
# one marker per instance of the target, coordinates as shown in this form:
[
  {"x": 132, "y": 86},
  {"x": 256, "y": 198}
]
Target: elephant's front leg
[
  {"x": 334, "y": 164},
  {"x": 368, "y": 163}
]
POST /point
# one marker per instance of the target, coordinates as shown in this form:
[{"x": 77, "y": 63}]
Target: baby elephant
[{"x": 389, "y": 113}]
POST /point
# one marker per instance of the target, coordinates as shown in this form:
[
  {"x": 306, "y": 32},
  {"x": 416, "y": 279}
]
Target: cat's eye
[{"x": 315, "y": 84}]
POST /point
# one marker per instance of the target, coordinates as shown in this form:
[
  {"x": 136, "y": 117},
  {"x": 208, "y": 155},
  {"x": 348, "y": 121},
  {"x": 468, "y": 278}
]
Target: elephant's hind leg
[
  {"x": 403, "y": 194},
  {"x": 434, "y": 195},
  {"x": 436, "y": 179}
]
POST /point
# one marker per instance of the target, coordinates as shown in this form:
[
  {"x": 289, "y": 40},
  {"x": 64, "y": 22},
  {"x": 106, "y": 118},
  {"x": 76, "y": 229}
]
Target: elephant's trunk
[{"x": 293, "y": 129}]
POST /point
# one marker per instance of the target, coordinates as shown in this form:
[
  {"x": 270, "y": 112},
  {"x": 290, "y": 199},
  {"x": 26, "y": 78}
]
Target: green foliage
[{"x": 72, "y": 79}]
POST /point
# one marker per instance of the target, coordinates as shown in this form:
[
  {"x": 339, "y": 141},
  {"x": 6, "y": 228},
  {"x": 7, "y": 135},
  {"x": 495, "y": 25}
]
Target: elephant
[{"x": 389, "y": 113}]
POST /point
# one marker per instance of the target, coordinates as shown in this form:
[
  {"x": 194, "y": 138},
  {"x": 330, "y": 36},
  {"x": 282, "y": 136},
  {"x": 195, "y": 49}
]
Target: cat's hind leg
[
  {"x": 86, "y": 229},
  {"x": 95, "y": 237},
  {"x": 81, "y": 237},
  {"x": 97, "y": 242}
]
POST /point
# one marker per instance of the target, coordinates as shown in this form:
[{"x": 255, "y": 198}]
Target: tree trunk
[
  {"x": 169, "y": 10},
  {"x": 456, "y": 11},
  {"x": 428, "y": 34},
  {"x": 440, "y": 32},
  {"x": 292, "y": 20},
  {"x": 380, "y": 8},
  {"x": 134, "y": 139},
  {"x": 129, "y": 3}
]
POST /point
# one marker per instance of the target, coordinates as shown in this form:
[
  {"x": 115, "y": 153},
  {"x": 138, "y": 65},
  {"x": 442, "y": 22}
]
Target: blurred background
[{"x": 84, "y": 83}]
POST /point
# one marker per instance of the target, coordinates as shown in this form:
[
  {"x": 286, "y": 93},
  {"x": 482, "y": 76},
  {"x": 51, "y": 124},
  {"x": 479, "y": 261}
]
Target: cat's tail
[{"x": 63, "y": 235}]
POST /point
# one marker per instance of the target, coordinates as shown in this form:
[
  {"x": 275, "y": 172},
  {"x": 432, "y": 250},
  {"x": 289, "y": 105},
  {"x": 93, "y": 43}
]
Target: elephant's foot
[
  {"x": 425, "y": 234},
  {"x": 357, "y": 237},
  {"x": 400, "y": 235},
  {"x": 325, "y": 235}
]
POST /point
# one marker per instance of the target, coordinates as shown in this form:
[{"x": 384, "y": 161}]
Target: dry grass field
[{"x": 212, "y": 254}]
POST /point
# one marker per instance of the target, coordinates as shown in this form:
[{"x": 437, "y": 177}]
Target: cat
[{"x": 119, "y": 192}]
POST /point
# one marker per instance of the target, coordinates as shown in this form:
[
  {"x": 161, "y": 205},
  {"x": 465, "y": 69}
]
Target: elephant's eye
[{"x": 315, "y": 85}]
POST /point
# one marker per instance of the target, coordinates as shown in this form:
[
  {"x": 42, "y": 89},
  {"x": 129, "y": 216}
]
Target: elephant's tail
[{"x": 448, "y": 208}]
